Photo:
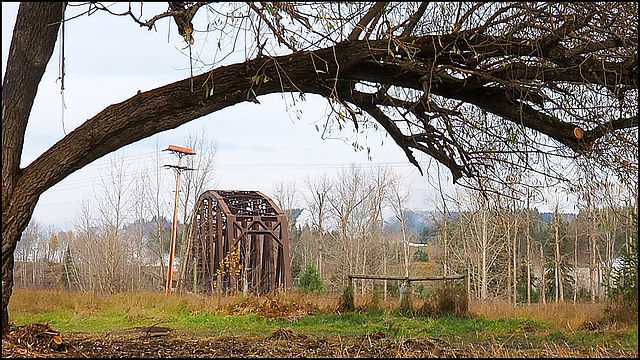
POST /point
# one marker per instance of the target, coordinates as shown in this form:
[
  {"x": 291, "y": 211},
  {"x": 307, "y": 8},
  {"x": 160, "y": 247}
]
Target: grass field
[{"x": 492, "y": 325}]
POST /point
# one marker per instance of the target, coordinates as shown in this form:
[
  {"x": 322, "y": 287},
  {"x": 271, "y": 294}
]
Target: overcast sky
[{"x": 108, "y": 59}]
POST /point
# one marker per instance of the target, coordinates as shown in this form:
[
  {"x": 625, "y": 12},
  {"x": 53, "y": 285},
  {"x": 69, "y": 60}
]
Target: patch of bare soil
[{"x": 35, "y": 340}]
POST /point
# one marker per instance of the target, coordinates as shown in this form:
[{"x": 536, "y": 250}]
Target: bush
[
  {"x": 421, "y": 256},
  {"x": 446, "y": 300},
  {"x": 310, "y": 280}
]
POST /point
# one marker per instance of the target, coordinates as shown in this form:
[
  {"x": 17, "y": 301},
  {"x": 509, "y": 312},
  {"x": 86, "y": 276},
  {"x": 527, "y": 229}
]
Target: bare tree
[
  {"x": 349, "y": 193},
  {"x": 317, "y": 204},
  {"x": 543, "y": 282},
  {"x": 609, "y": 219},
  {"x": 114, "y": 211},
  {"x": 480, "y": 245},
  {"x": 528, "y": 249},
  {"x": 374, "y": 241},
  {"x": 86, "y": 248},
  {"x": 443, "y": 234},
  {"x": 139, "y": 211},
  {"x": 397, "y": 197},
  {"x": 514, "y": 254},
  {"x": 28, "y": 252},
  {"x": 557, "y": 258},
  {"x": 285, "y": 195},
  {"x": 194, "y": 182},
  {"x": 158, "y": 208},
  {"x": 508, "y": 224},
  {"x": 575, "y": 262}
]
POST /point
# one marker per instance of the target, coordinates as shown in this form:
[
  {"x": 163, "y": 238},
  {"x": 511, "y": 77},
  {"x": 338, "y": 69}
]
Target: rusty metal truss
[{"x": 238, "y": 241}]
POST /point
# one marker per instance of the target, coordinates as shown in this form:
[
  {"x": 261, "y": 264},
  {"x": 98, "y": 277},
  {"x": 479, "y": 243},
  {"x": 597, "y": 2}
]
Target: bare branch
[
  {"x": 376, "y": 9},
  {"x": 413, "y": 21}
]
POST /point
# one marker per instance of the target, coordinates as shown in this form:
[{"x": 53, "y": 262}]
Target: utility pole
[{"x": 180, "y": 151}]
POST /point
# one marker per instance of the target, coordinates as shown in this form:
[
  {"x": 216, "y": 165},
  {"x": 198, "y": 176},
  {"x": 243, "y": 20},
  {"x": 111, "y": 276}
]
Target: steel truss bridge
[{"x": 238, "y": 241}]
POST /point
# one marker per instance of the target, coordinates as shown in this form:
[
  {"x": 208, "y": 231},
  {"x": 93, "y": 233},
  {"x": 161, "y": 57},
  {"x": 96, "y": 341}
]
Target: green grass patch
[
  {"x": 77, "y": 312},
  {"x": 627, "y": 339},
  {"x": 390, "y": 324}
]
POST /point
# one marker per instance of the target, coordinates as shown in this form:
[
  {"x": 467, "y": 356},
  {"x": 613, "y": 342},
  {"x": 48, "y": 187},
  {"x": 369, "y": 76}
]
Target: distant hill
[
  {"x": 417, "y": 220},
  {"x": 547, "y": 217},
  {"x": 150, "y": 226}
]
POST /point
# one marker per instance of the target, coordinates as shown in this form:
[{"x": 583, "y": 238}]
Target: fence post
[
  {"x": 405, "y": 295},
  {"x": 348, "y": 301},
  {"x": 350, "y": 285},
  {"x": 218, "y": 288}
]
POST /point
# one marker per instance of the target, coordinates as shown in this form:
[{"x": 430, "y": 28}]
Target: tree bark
[{"x": 34, "y": 39}]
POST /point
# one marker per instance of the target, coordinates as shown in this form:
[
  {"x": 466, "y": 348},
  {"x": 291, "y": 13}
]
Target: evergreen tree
[
  {"x": 68, "y": 269},
  {"x": 421, "y": 256},
  {"x": 310, "y": 280},
  {"x": 625, "y": 278}
]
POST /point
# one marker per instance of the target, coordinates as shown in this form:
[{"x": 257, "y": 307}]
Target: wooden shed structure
[{"x": 238, "y": 241}]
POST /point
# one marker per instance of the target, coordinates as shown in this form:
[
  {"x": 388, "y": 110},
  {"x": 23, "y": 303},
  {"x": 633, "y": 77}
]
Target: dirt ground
[{"x": 37, "y": 340}]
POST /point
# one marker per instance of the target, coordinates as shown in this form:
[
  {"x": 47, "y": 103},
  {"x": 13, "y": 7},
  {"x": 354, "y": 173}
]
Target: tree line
[{"x": 357, "y": 222}]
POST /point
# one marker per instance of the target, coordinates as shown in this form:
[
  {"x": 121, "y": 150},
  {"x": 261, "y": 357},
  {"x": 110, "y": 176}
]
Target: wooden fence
[{"x": 407, "y": 280}]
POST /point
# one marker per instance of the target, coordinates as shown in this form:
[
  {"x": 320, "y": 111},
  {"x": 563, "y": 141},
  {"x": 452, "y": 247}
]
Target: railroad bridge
[{"x": 238, "y": 241}]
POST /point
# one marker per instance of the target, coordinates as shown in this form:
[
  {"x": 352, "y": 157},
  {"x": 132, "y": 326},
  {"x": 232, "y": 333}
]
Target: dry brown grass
[
  {"x": 139, "y": 304},
  {"x": 567, "y": 316}
]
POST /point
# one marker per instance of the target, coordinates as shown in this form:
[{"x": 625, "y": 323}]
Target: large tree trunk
[{"x": 34, "y": 39}]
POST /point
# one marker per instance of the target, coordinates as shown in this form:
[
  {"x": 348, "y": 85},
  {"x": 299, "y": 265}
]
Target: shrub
[
  {"x": 421, "y": 256},
  {"x": 373, "y": 302},
  {"x": 446, "y": 300},
  {"x": 310, "y": 280}
]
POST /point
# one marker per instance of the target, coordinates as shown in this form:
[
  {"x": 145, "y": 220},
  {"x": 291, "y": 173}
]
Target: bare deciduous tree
[{"x": 317, "y": 204}]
